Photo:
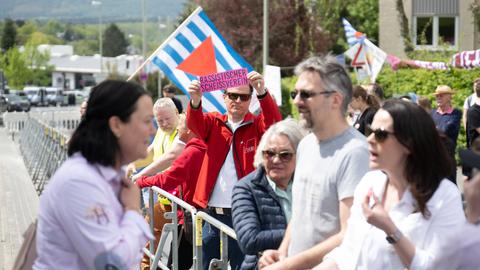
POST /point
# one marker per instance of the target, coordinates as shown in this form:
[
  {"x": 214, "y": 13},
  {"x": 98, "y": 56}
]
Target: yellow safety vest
[{"x": 160, "y": 146}]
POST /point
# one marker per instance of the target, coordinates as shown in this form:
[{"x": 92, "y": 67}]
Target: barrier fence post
[{"x": 197, "y": 223}]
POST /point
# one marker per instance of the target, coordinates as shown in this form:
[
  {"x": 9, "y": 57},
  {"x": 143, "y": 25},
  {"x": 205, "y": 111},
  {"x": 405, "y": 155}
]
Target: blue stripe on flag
[
  {"x": 234, "y": 54},
  {"x": 201, "y": 36},
  {"x": 214, "y": 101},
  {"x": 169, "y": 73},
  {"x": 194, "y": 28},
  {"x": 174, "y": 54},
  {"x": 222, "y": 60},
  {"x": 185, "y": 42}
]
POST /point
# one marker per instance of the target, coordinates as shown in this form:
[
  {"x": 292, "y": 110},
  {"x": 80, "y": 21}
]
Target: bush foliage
[{"x": 395, "y": 83}]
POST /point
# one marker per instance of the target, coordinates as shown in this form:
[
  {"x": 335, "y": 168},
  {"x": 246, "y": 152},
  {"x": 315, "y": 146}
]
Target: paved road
[{"x": 18, "y": 200}]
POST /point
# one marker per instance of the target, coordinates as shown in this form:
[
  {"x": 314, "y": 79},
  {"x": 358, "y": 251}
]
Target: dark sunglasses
[
  {"x": 234, "y": 97},
  {"x": 308, "y": 94},
  {"x": 380, "y": 134},
  {"x": 284, "y": 156}
]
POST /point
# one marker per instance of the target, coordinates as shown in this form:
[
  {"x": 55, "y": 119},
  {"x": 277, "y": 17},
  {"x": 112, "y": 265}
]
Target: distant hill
[{"x": 83, "y": 11}]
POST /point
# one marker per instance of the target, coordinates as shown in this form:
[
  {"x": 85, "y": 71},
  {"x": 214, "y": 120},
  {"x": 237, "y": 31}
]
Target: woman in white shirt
[
  {"x": 89, "y": 213},
  {"x": 404, "y": 207}
]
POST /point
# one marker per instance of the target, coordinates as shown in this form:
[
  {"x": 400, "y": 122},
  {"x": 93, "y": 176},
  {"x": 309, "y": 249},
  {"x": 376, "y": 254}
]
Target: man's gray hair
[
  {"x": 288, "y": 127},
  {"x": 334, "y": 76},
  {"x": 164, "y": 103}
]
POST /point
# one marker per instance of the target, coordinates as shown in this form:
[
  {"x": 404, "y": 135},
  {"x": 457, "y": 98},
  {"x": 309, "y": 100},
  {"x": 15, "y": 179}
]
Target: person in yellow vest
[{"x": 164, "y": 148}]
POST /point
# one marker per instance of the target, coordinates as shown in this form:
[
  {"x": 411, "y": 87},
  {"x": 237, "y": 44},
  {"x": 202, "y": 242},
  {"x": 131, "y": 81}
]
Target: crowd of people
[{"x": 358, "y": 182}]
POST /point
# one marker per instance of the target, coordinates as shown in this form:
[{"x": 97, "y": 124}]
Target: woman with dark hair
[
  {"x": 366, "y": 104},
  {"x": 89, "y": 215},
  {"x": 405, "y": 206}
]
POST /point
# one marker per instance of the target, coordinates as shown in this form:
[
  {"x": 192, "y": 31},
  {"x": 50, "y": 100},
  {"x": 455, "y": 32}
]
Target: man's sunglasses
[
  {"x": 308, "y": 94},
  {"x": 284, "y": 156},
  {"x": 234, "y": 97},
  {"x": 380, "y": 134}
]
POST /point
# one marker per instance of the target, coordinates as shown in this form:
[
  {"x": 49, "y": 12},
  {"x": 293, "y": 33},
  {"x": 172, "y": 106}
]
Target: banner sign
[
  {"x": 223, "y": 80},
  {"x": 466, "y": 59}
]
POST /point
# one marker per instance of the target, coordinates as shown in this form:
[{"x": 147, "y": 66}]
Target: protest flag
[
  {"x": 352, "y": 35},
  {"x": 196, "y": 48}
]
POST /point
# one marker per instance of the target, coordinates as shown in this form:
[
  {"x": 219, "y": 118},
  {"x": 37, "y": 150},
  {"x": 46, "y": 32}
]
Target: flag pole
[{"x": 187, "y": 20}]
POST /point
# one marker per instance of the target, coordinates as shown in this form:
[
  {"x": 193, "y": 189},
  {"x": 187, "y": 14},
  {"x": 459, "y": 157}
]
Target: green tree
[
  {"x": 114, "y": 41},
  {"x": 15, "y": 67},
  {"x": 53, "y": 27},
  {"x": 293, "y": 30},
  {"x": 363, "y": 14},
  {"x": 25, "y": 31},
  {"x": 9, "y": 35}
]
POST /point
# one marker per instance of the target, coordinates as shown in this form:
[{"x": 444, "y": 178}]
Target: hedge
[{"x": 420, "y": 81}]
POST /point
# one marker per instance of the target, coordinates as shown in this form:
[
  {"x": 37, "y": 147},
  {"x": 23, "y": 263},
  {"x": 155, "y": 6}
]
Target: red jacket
[
  {"x": 183, "y": 172},
  {"x": 213, "y": 129}
]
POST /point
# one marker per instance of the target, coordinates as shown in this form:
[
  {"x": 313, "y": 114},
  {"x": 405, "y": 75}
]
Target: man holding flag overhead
[{"x": 231, "y": 141}]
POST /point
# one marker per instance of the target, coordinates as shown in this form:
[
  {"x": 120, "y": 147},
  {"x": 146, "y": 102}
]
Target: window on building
[
  {"x": 432, "y": 32},
  {"x": 424, "y": 30},
  {"x": 446, "y": 30}
]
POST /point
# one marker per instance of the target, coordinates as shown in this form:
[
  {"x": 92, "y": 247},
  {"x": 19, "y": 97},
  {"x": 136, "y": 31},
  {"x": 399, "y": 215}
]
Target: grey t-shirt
[{"x": 325, "y": 174}]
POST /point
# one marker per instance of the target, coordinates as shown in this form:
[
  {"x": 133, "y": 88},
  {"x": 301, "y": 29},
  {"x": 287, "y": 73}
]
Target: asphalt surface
[{"x": 18, "y": 200}]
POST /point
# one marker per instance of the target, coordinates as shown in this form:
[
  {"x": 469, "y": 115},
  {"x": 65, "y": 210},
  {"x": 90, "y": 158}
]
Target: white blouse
[{"x": 365, "y": 247}]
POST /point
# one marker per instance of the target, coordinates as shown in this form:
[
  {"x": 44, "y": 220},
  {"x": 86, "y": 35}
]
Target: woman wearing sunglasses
[
  {"x": 261, "y": 201},
  {"x": 405, "y": 206}
]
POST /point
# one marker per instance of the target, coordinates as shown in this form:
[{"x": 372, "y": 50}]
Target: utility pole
[
  {"x": 265, "y": 34},
  {"x": 100, "y": 34},
  {"x": 144, "y": 42}
]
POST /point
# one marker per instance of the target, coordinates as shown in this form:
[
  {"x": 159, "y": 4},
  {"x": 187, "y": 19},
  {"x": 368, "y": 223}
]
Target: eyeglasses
[
  {"x": 308, "y": 94},
  {"x": 284, "y": 156},
  {"x": 234, "y": 97},
  {"x": 380, "y": 134}
]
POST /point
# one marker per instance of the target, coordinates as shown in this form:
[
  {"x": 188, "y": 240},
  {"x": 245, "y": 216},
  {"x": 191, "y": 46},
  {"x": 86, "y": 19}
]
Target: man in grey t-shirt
[{"x": 330, "y": 163}]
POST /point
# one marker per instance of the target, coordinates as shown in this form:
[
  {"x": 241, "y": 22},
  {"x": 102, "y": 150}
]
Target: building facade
[{"x": 433, "y": 25}]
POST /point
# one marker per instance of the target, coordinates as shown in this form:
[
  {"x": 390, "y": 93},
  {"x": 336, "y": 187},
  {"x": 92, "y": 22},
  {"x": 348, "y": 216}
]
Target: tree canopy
[
  {"x": 114, "y": 41},
  {"x": 9, "y": 35}
]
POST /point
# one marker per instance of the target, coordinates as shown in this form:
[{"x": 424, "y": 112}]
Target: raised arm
[
  {"x": 163, "y": 162},
  {"x": 270, "y": 113}
]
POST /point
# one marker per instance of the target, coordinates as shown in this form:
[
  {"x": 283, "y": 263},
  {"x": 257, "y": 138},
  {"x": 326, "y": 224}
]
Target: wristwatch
[{"x": 394, "y": 237}]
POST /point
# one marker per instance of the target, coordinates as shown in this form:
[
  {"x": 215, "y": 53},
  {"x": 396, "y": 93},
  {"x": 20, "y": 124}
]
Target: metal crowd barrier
[
  {"x": 14, "y": 122},
  {"x": 44, "y": 149},
  {"x": 198, "y": 217}
]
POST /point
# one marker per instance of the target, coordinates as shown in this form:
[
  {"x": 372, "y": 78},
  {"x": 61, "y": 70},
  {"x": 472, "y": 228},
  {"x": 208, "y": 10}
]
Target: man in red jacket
[{"x": 231, "y": 141}]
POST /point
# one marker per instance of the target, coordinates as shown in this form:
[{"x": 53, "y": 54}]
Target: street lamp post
[
  {"x": 100, "y": 34},
  {"x": 144, "y": 43},
  {"x": 265, "y": 34}
]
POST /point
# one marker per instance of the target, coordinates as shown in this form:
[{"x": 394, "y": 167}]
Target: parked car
[
  {"x": 56, "y": 97},
  {"x": 31, "y": 91},
  {"x": 3, "y": 104},
  {"x": 16, "y": 103},
  {"x": 39, "y": 98}
]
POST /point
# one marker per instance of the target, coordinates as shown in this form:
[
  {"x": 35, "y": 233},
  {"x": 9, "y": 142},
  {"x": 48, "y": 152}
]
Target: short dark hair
[
  {"x": 169, "y": 88},
  {"x": 428, "y": 162},
  {"x": 93, "y": 137}
]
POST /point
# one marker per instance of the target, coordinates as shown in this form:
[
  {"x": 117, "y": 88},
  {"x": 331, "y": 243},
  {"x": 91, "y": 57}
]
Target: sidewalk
[{"x": 18, "y": 200}]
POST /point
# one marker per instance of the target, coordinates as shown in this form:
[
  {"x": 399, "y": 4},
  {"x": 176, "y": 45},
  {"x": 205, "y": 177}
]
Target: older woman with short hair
[{"x": 261, "y": 201}]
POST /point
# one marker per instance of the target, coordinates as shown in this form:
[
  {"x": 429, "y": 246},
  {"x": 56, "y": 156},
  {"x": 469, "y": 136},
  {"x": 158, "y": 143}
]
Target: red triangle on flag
[{"x": 201, "y": 61}]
